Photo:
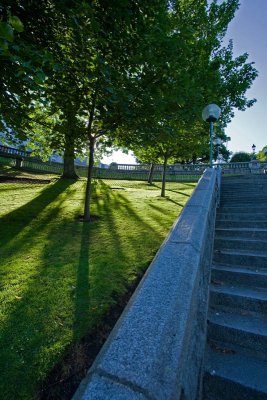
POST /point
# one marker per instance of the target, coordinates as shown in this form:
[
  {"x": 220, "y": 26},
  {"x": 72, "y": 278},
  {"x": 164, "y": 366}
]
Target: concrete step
[
  {"x": 230, "y": 297},
  {"x": 242, "y": 202},
  {"x": 260, "y": 198},
  {"x": 249, "y": 258},
  {"x": 236, "y": 356},
  {"x": 257, "y": 193},
  {"x": 233, "y": 208},
  {"x": 241, "y": 224},
  {"x": 247, "y": 192},
  {"x": 242, "y": 233},
  {"x": 231, "y": 375},
  {"x": 246, "y": 329},
  {"x": 237, "y": 216},
  {"x": 221, "y": 243},
  {"x": 240, "y": 190},
  {"x": 243, "y": 185},
  {"x": 249, "y": 179},
  {"x": 233, "y": 275}
]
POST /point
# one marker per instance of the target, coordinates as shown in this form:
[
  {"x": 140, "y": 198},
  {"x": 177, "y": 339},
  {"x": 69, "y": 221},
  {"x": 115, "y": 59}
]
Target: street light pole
[
  {"x": 211, "y": 114},
  {"x": 253, "y": 151},
  {"x": 217, "y": 142},
  {"x": 211, "y": 130}
]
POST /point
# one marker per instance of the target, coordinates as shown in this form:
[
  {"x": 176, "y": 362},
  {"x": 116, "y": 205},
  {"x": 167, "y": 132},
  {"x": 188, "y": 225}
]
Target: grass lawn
[{"x": 59, "y": 276}]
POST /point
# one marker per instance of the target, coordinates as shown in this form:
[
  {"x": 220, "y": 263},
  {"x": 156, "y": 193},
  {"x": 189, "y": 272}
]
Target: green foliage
[
  {"x": 200, "y": 71},
  {"x": 262, "y": 155},
  {"x": 139, "y": 74},
  {"x": 241, "y": 157},
  {"x": 7, "y": 32}
]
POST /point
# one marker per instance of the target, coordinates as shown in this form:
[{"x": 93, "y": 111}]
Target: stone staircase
[{"x": 236, "y": 351}]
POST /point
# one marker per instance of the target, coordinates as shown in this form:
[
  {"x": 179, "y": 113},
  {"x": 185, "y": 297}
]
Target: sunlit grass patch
[{"x": 60, "y": 276}]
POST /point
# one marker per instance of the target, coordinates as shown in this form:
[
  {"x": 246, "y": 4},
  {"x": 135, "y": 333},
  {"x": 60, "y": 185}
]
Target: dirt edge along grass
[{"x": 65, "y": 377}]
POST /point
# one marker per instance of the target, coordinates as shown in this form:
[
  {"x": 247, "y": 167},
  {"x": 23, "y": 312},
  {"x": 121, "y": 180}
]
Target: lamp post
[
  {"x": 253, "y": 151},
  {"x": 217, "y": 142},
  {"x": 211, "y": 114}
]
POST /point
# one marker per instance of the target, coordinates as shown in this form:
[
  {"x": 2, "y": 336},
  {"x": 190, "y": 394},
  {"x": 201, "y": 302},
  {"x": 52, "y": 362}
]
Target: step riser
[
  {"x": 242, "y": 279},
  {"x": 248, "y": 191},
  {"x": 241, "y": 217},
  {"x": 231, "y": 189},
  {"x": 241, "y": 198},
  {"x": 248, "y": 183},
  {"x": 222, "y": 244},
  {"x": 242, "y": 224},
  {"x": 238, "y": 259},
  {"x": 239, "y": 203},
  {"x": 243, "y": 185},
  {"x": 241, "y": 194},
  {"x": 248, "y": 340},
  {"x": 229, "y": 302},
  {"x": 238, "y": 193},
  {"x": 241, "y": 234},
  {"x": 217, "y": 388},
  {"x": 244, "y": 210}
]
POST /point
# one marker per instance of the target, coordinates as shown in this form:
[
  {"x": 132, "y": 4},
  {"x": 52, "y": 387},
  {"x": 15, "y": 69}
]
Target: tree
[
  {"x": 137, "y": 73},
  {"x": 21, "y": 64},
  {"x": 262, "y": 155},
  {"x": 203, "y": 72},
  {"x": 241, "y": 157}
]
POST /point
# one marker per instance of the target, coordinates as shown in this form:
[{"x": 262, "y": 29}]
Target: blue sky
[{"x": 249, "y": 33}]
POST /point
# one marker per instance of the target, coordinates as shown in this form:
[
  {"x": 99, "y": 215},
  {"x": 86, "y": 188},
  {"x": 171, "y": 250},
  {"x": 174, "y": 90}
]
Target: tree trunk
[
  {"x": 150, "y": 176},
  {"x": 18, "y": 162},
  {"x": 69, "y": 157},
  {"x": 164, "y": 177},
  {"x": 87, "y": 212}
]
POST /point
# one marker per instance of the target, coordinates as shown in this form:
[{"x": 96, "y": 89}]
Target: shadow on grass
[
  {"x": 17, "y": 220},
  {"x": 35, "y": 291},
  {"x": 179, "y": 192},
  {"x": 102, "y": 284},
  {"x": 82, "y": 288},
  {"x": 65, "y": 289},
  {"x": 175, "y": 202},
  {"x": 186, "y": 186}
]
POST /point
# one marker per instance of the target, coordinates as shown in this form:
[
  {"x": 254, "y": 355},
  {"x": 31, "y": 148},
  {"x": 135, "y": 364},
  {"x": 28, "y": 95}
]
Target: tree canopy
[
  {"x": 241, "y": 156},
  {"x": 81, "y": 74}
]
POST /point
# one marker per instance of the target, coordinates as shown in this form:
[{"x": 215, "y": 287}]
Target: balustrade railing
[
  {"x": 178, "y": 171},
  {"x": 13, "y": 151}
]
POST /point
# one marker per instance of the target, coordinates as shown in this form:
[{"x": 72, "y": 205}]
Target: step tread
[
  {"x": 220, "y": 263},
  {"x": 249, "y": 217},
  {"x": 239, "y": 269},
  {"x": 246, "y": 321},
  {"x": 236, "y": 239},
  {"x": 244, "y": 369},
  {"x": 255, "y": 293},
  {"x": 248, "y": 229},
  {"x": 242, "y": 252},
  {"x": 249, "y": 221},
  {"x": 241, "y": 224}
]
